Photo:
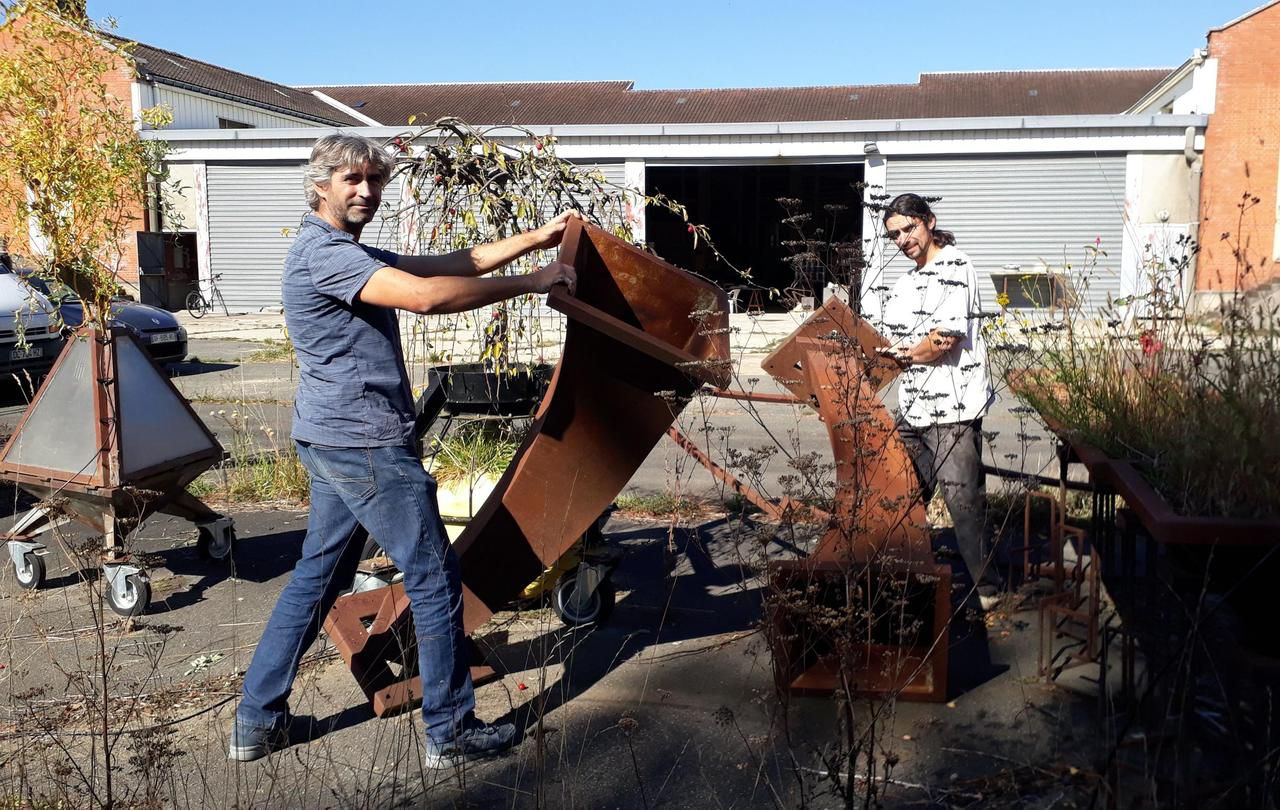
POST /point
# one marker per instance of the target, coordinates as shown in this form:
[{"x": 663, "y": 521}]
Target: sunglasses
[{"x": 892, "y": 236}]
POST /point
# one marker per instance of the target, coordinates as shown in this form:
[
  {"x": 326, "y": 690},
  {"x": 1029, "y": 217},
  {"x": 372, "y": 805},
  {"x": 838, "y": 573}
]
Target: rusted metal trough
[{"x": 642, "y": 337}]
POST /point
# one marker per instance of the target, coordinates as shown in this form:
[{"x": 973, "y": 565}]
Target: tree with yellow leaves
[{"x": 73, "y": 172}]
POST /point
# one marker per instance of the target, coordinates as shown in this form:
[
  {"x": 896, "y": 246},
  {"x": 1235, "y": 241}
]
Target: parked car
[
  {"x": 30, "y": 340},
  {"x": 156, "y": 329}
]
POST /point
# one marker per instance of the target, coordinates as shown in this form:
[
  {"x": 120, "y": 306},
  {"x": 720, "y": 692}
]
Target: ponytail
[{"x": 917, "y": 207}]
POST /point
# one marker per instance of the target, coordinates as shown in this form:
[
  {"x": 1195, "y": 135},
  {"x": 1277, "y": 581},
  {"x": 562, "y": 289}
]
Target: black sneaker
[
  {"x": 255, "y": 742},
  {"x": 476, "y": 742}
]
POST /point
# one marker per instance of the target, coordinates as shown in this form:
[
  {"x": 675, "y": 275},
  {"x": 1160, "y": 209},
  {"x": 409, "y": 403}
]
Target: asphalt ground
[{"x": 669, "y": 704}]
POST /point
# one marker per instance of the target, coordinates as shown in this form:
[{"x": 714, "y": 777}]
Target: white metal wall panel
[
  {"x": 614, "y": 173},
  {"x": 195, "y": 111},
  {"x": 1025, "y": 211},
  {"x": 250, "y": 208}
]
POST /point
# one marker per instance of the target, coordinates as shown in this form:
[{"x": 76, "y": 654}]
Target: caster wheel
[
  {"x": 212, "y": 547},
  {"x": 135, "y": 598},
  {"x": 596, "y": 610},
  {"x": 32, "y": 571}
]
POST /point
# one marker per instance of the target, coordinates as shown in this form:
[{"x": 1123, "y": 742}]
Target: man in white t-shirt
[{"x": 931, "y": 318}]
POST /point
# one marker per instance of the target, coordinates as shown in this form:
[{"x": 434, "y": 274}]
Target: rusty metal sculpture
[
  {"x": 874, "y": 566},
  {"x": 642, "y": 337},
  {"x": 875, "y": 563},
  {"x": 108, "y": 441}
]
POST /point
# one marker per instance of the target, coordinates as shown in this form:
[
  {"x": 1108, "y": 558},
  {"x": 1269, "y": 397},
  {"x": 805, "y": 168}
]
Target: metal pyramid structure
[
  {"x": 106, "y": 417},
  {"x": 108, "y": 441}
]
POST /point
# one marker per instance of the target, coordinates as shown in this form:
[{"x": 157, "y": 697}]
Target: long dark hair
[{"x": 917, "y": 207}]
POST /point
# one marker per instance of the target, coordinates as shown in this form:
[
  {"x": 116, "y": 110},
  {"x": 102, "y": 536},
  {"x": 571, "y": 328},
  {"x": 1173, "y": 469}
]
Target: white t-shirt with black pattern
[{"x": 941, "y": 295}]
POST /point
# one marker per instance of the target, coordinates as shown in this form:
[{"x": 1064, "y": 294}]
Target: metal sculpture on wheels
[
  {"x": 642, "y": 337},
  {"x": 108, "y": 441}
]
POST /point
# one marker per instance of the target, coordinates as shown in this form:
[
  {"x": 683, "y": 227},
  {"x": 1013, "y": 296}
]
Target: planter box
[
  {"x": 472, "y": 389},
  {"x": 1160, "y": 519}
]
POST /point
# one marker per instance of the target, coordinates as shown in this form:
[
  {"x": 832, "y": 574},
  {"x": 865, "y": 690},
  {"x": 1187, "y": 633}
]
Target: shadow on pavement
[
  {"x": 258, "y": 558},
  {"x": 194, "y": 366}
]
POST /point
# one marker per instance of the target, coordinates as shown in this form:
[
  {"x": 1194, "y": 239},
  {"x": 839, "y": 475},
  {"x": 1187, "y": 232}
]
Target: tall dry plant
[
  {"x": 465, "y": 185},
  {"x": 1190, "y": 401}
]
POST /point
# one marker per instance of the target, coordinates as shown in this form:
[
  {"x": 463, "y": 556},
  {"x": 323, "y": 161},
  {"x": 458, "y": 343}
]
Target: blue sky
[{"x": 665, "y": 43}]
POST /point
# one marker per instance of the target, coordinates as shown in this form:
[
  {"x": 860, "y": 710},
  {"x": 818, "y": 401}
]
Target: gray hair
[{"x": 338, "y": 151}]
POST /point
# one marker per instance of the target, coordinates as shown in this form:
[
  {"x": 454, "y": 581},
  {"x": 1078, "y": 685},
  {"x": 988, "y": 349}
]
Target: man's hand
[
  {"x": 897, "y": 355},
  {"x": 549, "y": 235},
  {"x": 943, "y": 341},
  {"x": 553, "y": 274}
]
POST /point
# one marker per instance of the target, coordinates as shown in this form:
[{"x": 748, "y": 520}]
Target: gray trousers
[{"x": 950, "y": 456}]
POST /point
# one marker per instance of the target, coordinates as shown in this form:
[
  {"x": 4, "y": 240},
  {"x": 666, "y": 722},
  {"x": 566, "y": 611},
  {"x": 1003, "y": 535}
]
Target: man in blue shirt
[{"x": 353, "y": 427}]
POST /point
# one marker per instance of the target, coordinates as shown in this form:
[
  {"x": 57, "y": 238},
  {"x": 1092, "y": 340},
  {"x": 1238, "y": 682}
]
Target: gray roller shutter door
[
  {"x": 1022, "y": 210},
  {"x": 250, "y": 208},
  {"x": 614, "y": 173}
]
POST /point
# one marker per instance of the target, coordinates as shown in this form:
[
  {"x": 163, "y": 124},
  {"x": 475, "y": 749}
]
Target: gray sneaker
[
  {"x": 476, "y": 742},
  {"x": 255, "y": 742}
]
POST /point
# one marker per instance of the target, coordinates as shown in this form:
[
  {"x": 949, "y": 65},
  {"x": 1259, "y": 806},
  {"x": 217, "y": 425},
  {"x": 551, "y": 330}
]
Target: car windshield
[{"x": 56, "y": 291}]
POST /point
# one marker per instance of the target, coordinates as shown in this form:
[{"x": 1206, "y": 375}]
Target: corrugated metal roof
[
  {"x": 167, "y": 67},
  {"x": 936, "y": 95}
]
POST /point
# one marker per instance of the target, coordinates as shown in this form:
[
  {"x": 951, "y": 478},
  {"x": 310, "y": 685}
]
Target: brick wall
[
  {"x": 120, "y": 85},
  {"x": 1242, "y": 153}
]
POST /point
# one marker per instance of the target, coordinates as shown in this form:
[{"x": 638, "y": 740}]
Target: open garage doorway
[{"x": 739, "y": 205}]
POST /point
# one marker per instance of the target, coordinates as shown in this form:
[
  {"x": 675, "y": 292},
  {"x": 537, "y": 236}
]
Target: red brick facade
[
  {"x": 120, "y": 85},
  {"x": 1242, "y": 154}
]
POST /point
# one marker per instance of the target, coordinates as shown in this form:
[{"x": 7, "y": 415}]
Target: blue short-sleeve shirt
[{"x": 353, "y": 390}]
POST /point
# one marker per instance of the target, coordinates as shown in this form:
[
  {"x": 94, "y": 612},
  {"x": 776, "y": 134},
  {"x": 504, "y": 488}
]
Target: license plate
[
  {"x": 165, "y": 337},
  {"x": 27, "y": 353}
]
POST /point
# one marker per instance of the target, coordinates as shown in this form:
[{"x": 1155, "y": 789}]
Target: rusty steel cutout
[
  {"x": 642, "y": 337},
  {"x": 875, "y": 559},
  {"x": 373, "y": 631}
]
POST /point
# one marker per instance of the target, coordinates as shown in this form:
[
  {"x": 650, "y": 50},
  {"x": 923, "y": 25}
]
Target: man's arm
[
  {"x": 949, "y": 324},
  {"x": 933, "y": 347},
  {"x": 440, "y": 295},
  {"x": 477, "y": 261}
]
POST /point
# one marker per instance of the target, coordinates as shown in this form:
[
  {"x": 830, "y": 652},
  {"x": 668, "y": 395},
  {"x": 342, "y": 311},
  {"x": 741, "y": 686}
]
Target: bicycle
[{"x": 198, "y": 305}]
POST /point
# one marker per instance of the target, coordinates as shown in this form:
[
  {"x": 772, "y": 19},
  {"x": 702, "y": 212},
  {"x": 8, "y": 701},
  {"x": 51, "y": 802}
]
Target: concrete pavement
[{"x": 670, "y": 704}]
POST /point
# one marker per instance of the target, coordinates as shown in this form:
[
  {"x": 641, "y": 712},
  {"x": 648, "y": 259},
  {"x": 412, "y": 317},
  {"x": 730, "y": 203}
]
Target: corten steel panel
[
  {"x": 373, "y": 631},
  {"x": 878, "y": 531},
  {"x": 911, "y": 662},
  {"x": 642, "y": 336},
  {"x": 832, "y": 362},
  {"x": 849, "y": 337}
]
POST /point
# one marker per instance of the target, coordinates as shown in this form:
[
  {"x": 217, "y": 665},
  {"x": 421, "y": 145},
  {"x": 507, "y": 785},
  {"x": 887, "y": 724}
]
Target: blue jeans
[{"x": 383, "y": 491}]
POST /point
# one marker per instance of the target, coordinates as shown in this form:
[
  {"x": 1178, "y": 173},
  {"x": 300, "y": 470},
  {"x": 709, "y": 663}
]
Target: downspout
[{"x": 1195, "y": 169}]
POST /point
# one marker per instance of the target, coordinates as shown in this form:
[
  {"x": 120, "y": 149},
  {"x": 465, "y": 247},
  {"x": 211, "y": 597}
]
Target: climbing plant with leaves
[{"x": 465, "y": 185}]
